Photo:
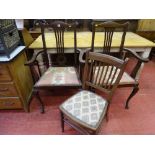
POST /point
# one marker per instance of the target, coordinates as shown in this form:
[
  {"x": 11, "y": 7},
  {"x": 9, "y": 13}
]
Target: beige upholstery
[
  {"x": 86, "y": 107},
  {"x": 126, "y": 78},
  {"x": 59, "y": 76}
]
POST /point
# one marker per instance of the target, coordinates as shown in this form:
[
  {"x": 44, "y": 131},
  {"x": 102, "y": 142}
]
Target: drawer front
[
  {"x": 4, "y": 73},
  {"x": 10, "y": 103},
  {"x": 7, "y": 90}
]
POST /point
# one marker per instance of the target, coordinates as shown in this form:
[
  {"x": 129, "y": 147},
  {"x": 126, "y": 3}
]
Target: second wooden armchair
[{"x": 109, "y": 29}]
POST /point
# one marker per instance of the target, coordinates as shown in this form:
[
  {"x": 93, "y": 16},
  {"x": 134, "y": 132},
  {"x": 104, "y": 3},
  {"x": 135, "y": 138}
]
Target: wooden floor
[{"x": 139, "y": 119}]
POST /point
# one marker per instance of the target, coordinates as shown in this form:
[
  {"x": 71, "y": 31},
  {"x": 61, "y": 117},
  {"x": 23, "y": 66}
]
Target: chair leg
[
  {"x": 80, "y": 72},
  {"x": 29, "y": 102},
  {"x": 93, "y": 133},
  {"x": 107, "y": 113},
  {"x": 36, "y": 93},
  {"x": 107, "y": 117},
  {"x": 62, "y": 121},
  {"x": 134, "y": 91}
]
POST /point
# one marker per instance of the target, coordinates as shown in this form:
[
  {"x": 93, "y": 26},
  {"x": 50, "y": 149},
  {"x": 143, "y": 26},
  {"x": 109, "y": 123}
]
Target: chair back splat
[
  {"x": 59, "y": 29},
  {"x": 103, "y": 72},
  {"x": 109, "y": 28}
]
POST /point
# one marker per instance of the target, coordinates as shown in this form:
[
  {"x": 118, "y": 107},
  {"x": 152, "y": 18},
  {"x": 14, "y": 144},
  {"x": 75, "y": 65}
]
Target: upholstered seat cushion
[
  {"x": 126, "y": 78},
  {"x": 85, "y": 107},
  {"x": 59, "y": 76}
]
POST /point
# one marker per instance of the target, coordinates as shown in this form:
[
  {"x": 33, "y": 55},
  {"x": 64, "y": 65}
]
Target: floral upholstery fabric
[
  {"x": 126, "y": 78},
  {"x": 85, "y": 106},
  {"x": 56, "y": 76}
]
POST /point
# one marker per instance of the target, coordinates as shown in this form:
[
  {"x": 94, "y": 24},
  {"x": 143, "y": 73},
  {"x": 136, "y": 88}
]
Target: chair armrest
[
  {"x": 133, "y": 53},
  {"x": 138, "y": 64},
  {"x": 81, "y": 54},
  {"x": 33, "y": 59}
]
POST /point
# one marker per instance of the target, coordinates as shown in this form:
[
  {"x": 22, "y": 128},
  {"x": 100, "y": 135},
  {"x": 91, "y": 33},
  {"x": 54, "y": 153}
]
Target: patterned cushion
[
  {"x": 126, "y": 78},
  {"x": 59, "y": 76},
  {"x": 86, "y": 107}
]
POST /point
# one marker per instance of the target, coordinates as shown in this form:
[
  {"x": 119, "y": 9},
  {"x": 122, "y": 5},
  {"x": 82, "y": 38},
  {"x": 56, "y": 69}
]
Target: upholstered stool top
[
  {"x": 85, "y": 107},
  {"x": 59, "y": 76}
]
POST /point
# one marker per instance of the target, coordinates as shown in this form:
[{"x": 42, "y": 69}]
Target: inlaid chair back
[
  {"x": 59, "y": 28},
  {"x": 109, "y": 28},
  {"x": 56, "y": 74},
  {"x": 103, "y": 72}
]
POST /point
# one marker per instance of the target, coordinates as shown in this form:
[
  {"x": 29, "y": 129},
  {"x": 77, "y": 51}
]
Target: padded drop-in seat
[
  {"x": 85, "y": 107},
  {"x": 59, "y": 76}
]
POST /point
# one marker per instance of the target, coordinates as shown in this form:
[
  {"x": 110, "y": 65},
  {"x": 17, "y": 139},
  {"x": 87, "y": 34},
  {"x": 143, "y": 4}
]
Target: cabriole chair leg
[{"x": 134, "y": 91}]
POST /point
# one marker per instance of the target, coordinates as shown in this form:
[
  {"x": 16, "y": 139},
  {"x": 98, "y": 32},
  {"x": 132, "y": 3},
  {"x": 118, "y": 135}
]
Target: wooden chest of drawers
[
  {"x": 15, "y": 83},
  {"x": 4, "y": 73}
]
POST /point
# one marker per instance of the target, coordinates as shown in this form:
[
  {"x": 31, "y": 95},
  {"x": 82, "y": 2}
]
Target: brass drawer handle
[
  {"x": 8, "y": 103},
  {"x": 4, "y": 89}
]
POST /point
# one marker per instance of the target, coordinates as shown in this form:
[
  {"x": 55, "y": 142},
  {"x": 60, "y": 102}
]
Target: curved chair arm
[
  {"x": 81, "y": 54},
  {"x": 133, "y": 53},
  {"x": 138, "y": 65},
  {"x": 33, "y": 59}
]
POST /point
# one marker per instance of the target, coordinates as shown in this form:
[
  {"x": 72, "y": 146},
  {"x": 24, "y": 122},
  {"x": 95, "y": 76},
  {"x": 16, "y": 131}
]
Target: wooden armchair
[
  {"x": 86, "y": 110},
  {"x": 109, "y": 29},
  {"x": 50, "y": 74}
]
